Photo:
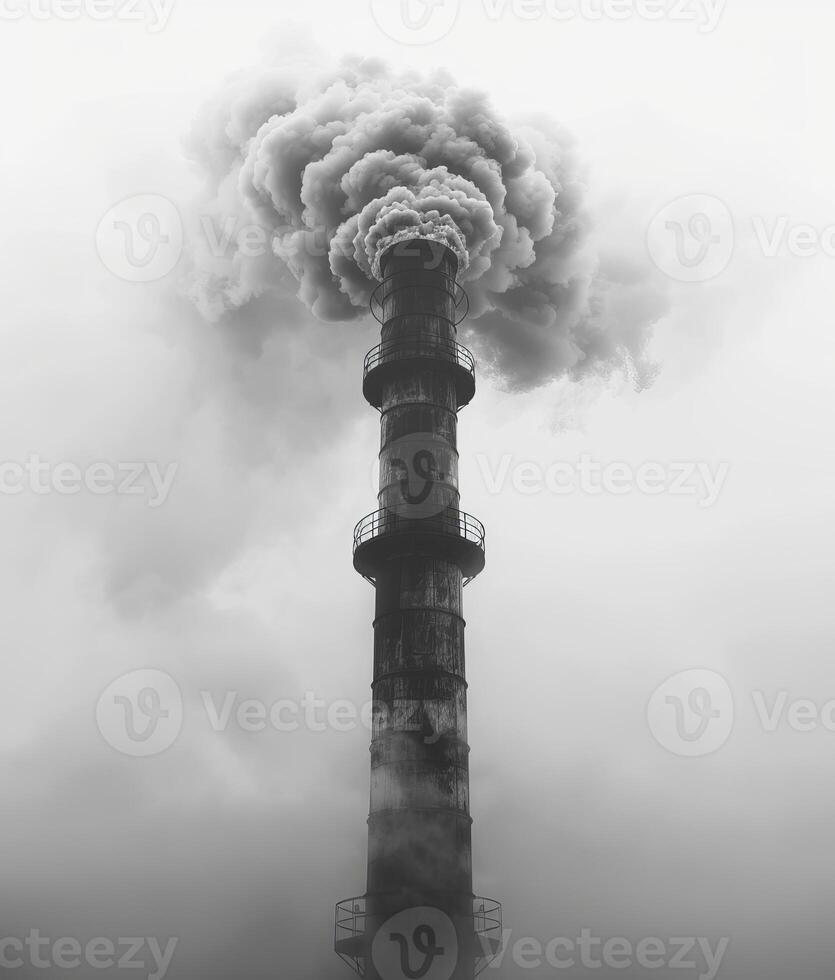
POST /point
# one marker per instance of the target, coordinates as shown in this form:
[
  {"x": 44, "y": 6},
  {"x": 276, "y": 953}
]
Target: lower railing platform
[
  {"x": 349, "y": 940},
  {"x": 352, "y": 940},
  {"x": 452, "y": 535}
]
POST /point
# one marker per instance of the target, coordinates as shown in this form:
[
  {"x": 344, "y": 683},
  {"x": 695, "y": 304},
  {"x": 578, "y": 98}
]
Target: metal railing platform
[
  {"x": 484, "y": 941},
  {"x": 452, "y": 535},
  {"x": 391, "y": 356}
]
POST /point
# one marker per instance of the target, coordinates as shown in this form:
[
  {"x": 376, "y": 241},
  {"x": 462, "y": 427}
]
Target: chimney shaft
[
  {"x": 418, "y": 549},
  {"x": 419, "y": 827}
]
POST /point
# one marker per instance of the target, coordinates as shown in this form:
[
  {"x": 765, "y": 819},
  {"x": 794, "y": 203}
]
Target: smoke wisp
[{"x": 335, "y": 168}]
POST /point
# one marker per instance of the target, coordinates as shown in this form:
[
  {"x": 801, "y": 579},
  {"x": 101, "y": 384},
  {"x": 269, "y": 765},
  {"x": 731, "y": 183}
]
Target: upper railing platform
[{"x": 422, "y": 283}]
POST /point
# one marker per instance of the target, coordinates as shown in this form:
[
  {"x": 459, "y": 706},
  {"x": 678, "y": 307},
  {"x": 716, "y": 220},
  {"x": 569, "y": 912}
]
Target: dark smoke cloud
[{"x": 334, "y": 168}]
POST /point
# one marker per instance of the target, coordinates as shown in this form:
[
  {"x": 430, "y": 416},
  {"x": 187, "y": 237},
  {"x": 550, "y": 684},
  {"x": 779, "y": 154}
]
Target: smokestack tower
[{"x": 419, "y": 917}]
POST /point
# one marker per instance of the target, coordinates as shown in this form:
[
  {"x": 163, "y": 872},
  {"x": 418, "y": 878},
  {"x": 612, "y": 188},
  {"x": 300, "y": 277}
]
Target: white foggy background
[{"x": 239, "y": 844}]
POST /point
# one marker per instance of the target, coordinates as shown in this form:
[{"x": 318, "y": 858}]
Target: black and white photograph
[{"x": 417, "y": 490}]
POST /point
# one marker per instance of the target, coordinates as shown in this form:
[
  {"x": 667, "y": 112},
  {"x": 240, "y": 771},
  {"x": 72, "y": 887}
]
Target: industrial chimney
[{"x": 419, "y": 917}]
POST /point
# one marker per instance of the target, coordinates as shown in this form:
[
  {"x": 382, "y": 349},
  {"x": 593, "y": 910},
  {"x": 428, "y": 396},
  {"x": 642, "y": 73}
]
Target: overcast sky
[{"x": 590, "y": 813}]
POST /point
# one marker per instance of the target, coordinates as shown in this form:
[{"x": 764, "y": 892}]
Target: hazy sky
[{"x": 588, "y": 816}]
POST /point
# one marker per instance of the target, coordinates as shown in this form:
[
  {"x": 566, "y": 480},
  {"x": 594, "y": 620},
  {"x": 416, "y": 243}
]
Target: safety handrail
[
  {"x": 349, "y": 924},
  {"x": 406, "y": 349},
  {"x": 488, "y": 926},
  {"x": 452, "y": 522}
]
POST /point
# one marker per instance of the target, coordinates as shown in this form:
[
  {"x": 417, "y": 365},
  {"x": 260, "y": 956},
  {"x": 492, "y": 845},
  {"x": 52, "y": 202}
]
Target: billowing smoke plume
[{"x": 333, "y": 170}]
